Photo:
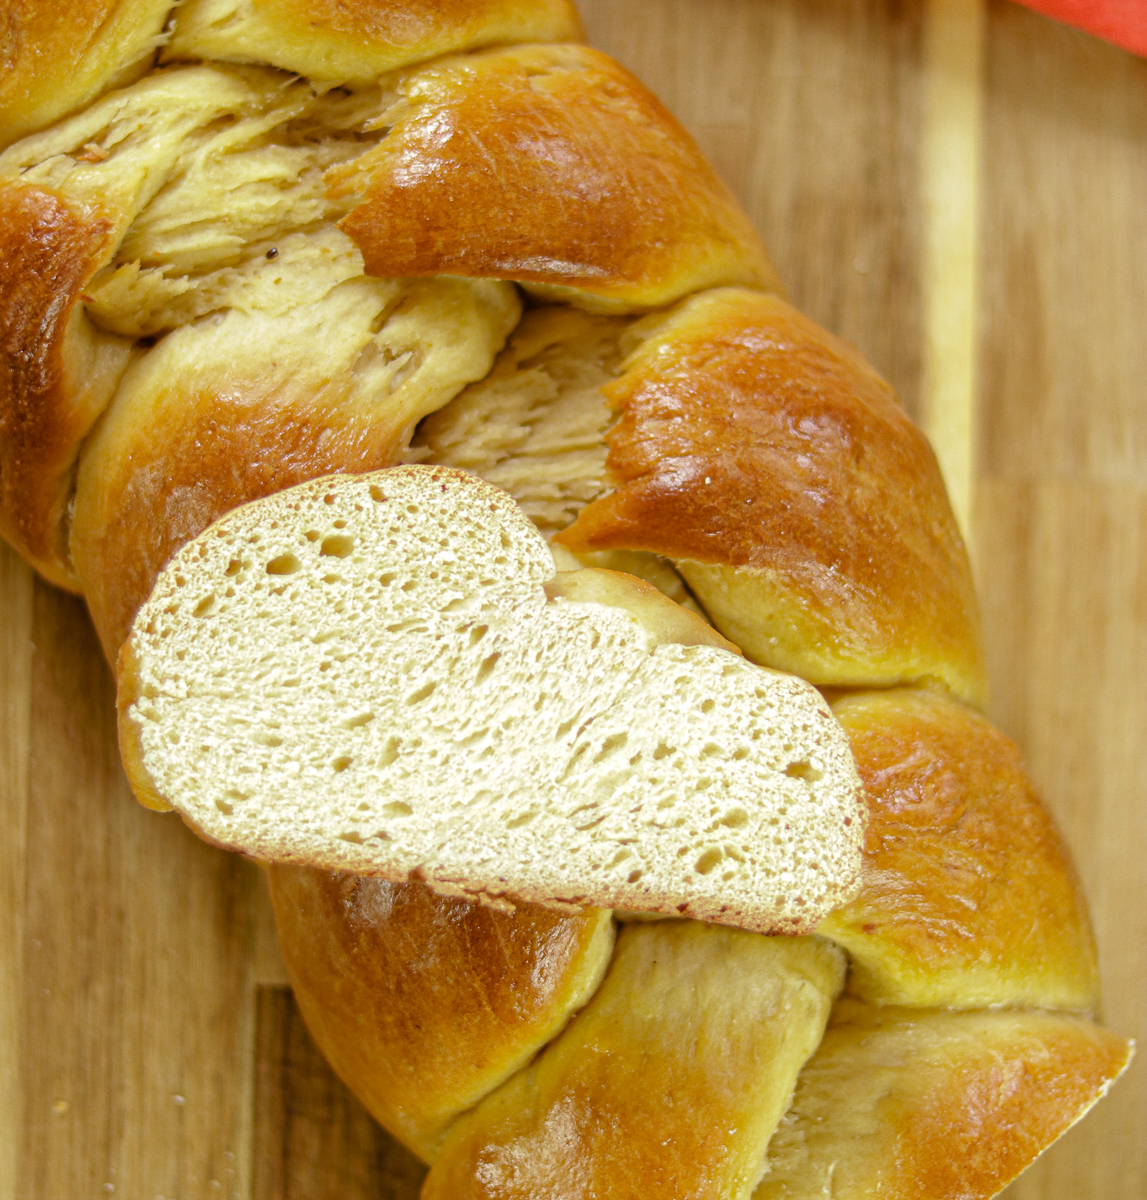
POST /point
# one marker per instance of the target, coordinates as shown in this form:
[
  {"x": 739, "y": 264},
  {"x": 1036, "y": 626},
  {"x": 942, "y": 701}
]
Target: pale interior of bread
[
  {"x": 273, "y": 245},
  {"x": 536, "y": 426},
  {"x": 265, "y": 289},
  {"x": 367, "y": 674},
  {"x": 117, "y": 154}
]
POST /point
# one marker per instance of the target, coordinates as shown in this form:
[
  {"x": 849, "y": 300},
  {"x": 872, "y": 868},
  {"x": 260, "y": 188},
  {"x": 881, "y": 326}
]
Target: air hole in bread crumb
[
  {"x": 225, "y": 808},
  {"x": 803, "y": 770},
  {"x": 268, "y": 739},
  {"x": 486, "y": 668},
  {"x": 233, "y": 568},
  {"x": 663, "y": 751},
  {"x": 520, "y": 820},
  {"x": 413, "y": 625},
  {"x": 358, "y": 721},
  {"x": 708, "y": 861},
  {"x": 205, "y": 607},
  {"x": 387, "y": 578},
  {"x": 611, "y": 745},
  {"x": 353, "y": 836},
  {"x": 735, "y": 818},
  {"x": 592, "y": 824},
  {"x": 396, "y": 808},
  {"x": 477, "y": 633},
  {"x": 341, "y": 763},
  {"x": 337, "y": 545},
  {"x": 707, "y": 706},
  {"x": 285, "y": 564},
  {"x": 376, "y": 494},
  {"x": 634, "y": 876},
  {"x": 312, "y": 535},
  {"x": 423, "y": 693},
  {"x": 389, "y": 751}
]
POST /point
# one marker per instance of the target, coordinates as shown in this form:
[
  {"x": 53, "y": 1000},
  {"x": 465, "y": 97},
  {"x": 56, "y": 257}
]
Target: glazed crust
[
  {"x": 607, "y": 194},
  {"x": 142, "y": 499},
  {"x": 969, "y": 897},
  {"x": 56, "y": 373},
  {"x": 911, "y": 1105},
  {"x": 424, "y": 1003},
  {"x": 242, "y": 419},
  {"x": 850, "y": 572},
  {"x": 338, "y": 41},
  {"x": 59, "y": 56},
  {"x": 806, "y": 511},
  {"x": 669, "y": 1083}
]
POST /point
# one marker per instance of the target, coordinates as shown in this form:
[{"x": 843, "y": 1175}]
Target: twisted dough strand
[{"x": 214, "y": 284}]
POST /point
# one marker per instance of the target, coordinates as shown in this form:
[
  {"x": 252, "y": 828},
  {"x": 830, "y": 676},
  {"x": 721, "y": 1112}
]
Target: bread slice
[{"x": 370, "y": 674}]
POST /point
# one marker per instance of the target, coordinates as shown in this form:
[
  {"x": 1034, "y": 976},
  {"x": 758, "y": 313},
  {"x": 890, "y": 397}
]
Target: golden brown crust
[
  {"x": 969, "y": 897},
  {"x": 805, "y": 510},
  {"x": 423, "y": 1004},
  {"x": 241, "y": 407},
  {"x": 668, "y": 1084},
  {"x": 58, "y": 56},
  {"x": 548, "y": 165},
  {"x": 340, "y": 41},
  {"x": 144, "y": 497},
  {"x": 49, "y": 394},
  {"x": 911, "y": 1105}
]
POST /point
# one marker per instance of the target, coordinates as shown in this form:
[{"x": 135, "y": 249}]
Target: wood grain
[
  {"x": 147, "y": 1048},
  {"x": 314, "y": 1141},
  {"x": 950, "y": 188},
  {"x": 812, "y": 111},
  {"x": 136, "y": 1056},
  {"x": 15, "y": 738},
  {"x": 1061, "y": 519}
]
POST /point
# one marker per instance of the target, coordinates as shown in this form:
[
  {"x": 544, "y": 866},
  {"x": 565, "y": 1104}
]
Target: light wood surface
[{"x": 958, "y": 190}]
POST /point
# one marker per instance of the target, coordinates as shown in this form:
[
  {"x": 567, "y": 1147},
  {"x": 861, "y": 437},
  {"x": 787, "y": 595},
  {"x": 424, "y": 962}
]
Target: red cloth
[{"x": 1123, "y": 22}]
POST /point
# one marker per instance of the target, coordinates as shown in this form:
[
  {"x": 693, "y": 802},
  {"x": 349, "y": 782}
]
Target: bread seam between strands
[{"x": 367, "y": 674}]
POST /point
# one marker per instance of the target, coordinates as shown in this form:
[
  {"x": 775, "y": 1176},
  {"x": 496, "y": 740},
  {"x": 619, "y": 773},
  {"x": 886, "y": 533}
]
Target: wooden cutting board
[{"x": 959, "y": 190}]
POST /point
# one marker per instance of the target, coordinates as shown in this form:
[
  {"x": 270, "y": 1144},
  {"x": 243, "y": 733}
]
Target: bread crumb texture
[{"x": 367, "y": 674}]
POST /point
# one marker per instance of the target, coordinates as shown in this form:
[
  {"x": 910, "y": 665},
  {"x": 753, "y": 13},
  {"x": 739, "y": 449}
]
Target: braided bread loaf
[{"x": 301, "y": 244}]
